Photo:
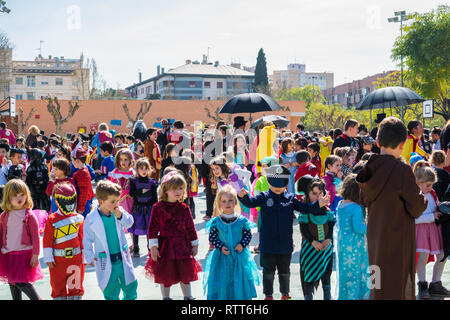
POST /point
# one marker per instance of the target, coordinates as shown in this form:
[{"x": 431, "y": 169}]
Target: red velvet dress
[{"x": 173, "y": 226}]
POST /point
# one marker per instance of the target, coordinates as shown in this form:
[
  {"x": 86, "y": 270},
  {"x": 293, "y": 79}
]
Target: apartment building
[{"x": 296, "y": 76}]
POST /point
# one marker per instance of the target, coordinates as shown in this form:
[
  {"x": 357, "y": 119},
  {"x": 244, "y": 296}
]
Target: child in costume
[
  {"x": 348, "y": 156},
  {"x": 108, "y": 165},
  {"x": 17, "y": 168},
  {"x": 316, "y": 253},
  {"x": 429, "y": 237},
  {"x": 351, "y": 244},
  {"x": 277, "y": 212},
  {"x": 333, "y": 179},
  {"x": 230, "y": 271},
  {"x": 82, "y": 180},
  {"x": 19, "y": 241},
  {"x": 37, "y": 180},
  {"x": 152, "y": 152},
  {"x": 122, "y": 174},
  {"x": 287, "y": 155},
  {"x": 61, "y": 172},
  {"x": 144, "y": 194},
  {"x": 223, "y": 173},
  {"x": 172, "y": 239},
  {"x": 63, "y": 245},
  {"x": 393, "y": 202},
  {"x": 105, "y": 245}
]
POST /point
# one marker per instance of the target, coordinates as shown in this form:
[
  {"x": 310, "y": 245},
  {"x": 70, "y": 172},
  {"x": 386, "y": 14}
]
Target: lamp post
[{"x": 400, "y": 16}]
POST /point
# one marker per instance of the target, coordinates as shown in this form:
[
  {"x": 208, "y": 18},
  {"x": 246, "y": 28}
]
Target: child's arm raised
[{"x": 251, "y": 202}]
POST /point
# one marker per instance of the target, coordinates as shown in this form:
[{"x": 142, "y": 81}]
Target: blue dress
[
  {"x": 290, "y": 158},
  {"x": 351, "y": 252},
  {"x": 232, "y": 276}
]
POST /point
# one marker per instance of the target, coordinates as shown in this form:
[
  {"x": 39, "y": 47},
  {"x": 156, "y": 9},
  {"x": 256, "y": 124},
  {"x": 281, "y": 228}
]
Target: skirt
[
  {"x": 141, "y": 216},
  {"x": 170, "y": 271},
  {"x": 429, "y": 238},
  {"x": 15, "y": 267}
]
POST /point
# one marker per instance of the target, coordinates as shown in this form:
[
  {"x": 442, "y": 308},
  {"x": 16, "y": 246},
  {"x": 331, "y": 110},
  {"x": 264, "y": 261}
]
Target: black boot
[
  {"x": 437, "y": 289},
  {"x": 308, "y": 293},
  {"x": 327, "y": 292},
  {"x": 423, "y": 290}
]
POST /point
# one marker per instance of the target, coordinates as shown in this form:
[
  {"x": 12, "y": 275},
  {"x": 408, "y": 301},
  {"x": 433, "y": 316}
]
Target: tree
[
  {"x": 5, "y": 64},
  {"x": 261, "y": 83},
  {"x": 3, "y": 8},
  {"x": 21, "y": 121},
  {"x": 54, "y": 108},
  {"x": 425, "y": 46},
  {"x": 308, "y": 93},
  {"x": 145, "y": 108}
]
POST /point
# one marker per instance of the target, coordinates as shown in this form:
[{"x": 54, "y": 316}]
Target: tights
[
  {"x": 27, "y": 288},
  {"x": 438, "y": 267},
  {"x": 185, "y": 288}
]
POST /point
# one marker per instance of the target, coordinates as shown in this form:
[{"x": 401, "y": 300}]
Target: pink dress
[
  {"x": 17, "y": 248},
  {"x": 122, "y": 178}
]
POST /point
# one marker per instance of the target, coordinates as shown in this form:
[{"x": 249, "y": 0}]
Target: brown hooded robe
[{"x": 393, "y": 199}]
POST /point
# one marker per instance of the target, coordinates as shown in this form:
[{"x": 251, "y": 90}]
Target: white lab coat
[{"x": 94, "y": 234}]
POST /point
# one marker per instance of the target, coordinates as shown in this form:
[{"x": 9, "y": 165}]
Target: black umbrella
[
  {"x": 389, "y": 97},
  {"x": 278, "y": 121},
  {"x": 250, "y": 103}
]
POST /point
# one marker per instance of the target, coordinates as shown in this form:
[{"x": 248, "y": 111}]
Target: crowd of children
[{"x": 358, "y": 204}]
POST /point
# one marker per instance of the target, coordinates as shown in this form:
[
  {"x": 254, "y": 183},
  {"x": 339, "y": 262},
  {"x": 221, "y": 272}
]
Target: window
[
  {"x": 75, "y": 83},
  {"x": 31, "y": 81},
  {"x": 19, "y": 81},
  {"x": 19, "y": 96},
  {"x": 30, "y": 96},
  {"x": 207, "y": 84},
  {"x": 44, "y": 82},
  {"x": 59, "y": 81},
  {"x": 192, "y": 84},
  {"x": 75, "y": 97},
  {"x": 219, "y": 85}
]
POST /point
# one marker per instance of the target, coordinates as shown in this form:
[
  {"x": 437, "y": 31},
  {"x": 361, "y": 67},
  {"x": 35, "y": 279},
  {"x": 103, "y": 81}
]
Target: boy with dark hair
[
  {"x": 82, "y": 179},
  {"x": 303, "y": 158},
  {"x": 394, "y": 201},
  {"x": 347, "y": 139},
  {"x": 314, "y": 150},
  {"x": 106, "y": 150},
  {"x": 17, "y": 169}
]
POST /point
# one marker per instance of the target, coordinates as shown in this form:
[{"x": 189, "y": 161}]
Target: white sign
[
  {"x": 12, "y": 107},
  {"x": 428, "y": 109}
]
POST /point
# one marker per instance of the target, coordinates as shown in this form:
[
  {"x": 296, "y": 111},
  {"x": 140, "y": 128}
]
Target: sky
[{"x": 351, "y": 38}]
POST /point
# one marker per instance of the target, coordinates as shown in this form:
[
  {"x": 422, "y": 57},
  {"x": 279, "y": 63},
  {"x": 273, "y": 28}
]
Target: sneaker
[
  {"x": 167, "y": 298},
  {"x": 268, "y": 298},
  {"x": 189, "y": 298},
  {"x": 423, "y": 290},
  {"x": 286, "y": 297},
  {"x": 437, "y": 289}
]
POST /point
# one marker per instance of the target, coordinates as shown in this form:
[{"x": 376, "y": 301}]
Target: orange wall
[{"x": 93, "y": 112}]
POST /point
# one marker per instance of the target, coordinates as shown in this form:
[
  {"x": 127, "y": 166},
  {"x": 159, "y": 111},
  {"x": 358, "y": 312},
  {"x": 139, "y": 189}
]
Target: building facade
[
  {"x": 296, "y": 76},
  {"x": 57, "y": 77},
  {"x": 194, "y": 81},
  {"x": 351, "y": 93}
]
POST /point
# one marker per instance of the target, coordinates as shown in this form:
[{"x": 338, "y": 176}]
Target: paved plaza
[{"x": 148, "y": 290}]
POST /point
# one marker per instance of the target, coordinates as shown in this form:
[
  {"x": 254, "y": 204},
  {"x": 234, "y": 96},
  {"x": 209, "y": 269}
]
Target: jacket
[{"x": 30, "y": 231}]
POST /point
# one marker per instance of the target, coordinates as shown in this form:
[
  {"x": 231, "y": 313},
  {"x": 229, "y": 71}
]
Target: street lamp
[{"x": 400, "y": 16}]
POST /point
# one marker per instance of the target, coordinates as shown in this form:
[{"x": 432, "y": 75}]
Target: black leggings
[{"x": 27, "y": 288}]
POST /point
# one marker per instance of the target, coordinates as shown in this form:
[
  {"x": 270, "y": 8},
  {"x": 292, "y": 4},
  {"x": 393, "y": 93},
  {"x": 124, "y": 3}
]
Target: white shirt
[{"x": 428, "y": 215}]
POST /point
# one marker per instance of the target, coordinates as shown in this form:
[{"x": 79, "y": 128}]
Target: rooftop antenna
[{"x": 40, "y": 47}]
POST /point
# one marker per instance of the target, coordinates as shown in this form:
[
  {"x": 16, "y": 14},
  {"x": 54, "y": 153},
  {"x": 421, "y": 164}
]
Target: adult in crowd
[
  {"x": 33, "y": 134},
  {"x": 348, "y": 137},
  {"x": 164, "y": 136}
]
